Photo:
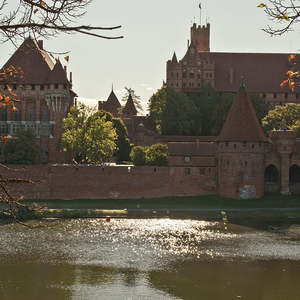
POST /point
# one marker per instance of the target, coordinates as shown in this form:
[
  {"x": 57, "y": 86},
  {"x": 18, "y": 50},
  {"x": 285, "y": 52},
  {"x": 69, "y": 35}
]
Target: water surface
[{"x": 149, "y": 259}]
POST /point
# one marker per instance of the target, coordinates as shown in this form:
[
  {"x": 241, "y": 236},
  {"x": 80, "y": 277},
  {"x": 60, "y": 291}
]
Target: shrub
[
  {"x": 138, "y": 155},
  {"x": 157, "y": 155}
]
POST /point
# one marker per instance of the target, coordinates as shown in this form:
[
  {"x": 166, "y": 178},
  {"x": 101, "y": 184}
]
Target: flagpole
[{"x": 200, "y": 7}]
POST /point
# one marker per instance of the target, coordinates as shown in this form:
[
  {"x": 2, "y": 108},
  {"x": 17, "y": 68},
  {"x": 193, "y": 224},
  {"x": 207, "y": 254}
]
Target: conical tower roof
[
  {"x": 129, "y": 108},
  {"x": 34, "y": 62},
  {"x": 241, "y": 124},
  {"x": 58, "y": 74},
  {"x": 112, "y": 104}
]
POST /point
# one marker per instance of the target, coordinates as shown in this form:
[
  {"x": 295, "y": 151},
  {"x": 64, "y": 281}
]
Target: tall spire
[
  {"x": 241, "y": 124},
  {"x": 174, "y": 58}
]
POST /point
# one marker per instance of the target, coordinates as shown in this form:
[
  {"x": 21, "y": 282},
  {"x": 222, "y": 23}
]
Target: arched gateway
[
  {"x": 272, "y": 180},
  {"x": 295, "y": 179}
]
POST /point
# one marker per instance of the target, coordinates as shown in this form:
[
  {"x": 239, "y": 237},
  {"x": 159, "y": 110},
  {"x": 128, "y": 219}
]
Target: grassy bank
[{"x": 203, "y": 202}]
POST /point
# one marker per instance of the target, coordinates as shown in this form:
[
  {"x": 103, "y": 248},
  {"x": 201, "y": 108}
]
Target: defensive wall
[{"x": 97, "y": 182}]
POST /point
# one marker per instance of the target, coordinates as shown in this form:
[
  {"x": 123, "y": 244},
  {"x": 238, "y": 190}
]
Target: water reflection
[{"x": 148, "y": 259}]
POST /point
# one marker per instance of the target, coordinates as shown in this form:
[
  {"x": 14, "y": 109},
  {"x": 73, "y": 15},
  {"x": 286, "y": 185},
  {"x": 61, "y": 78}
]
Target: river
[{"x": 149, "y": 259}]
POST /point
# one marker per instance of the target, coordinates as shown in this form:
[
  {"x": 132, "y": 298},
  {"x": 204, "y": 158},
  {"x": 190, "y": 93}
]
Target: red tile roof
[
  {"x": 58, "y": 74},
  {"x": 112, "y": 104},
  {"x": 191, "y": 148},
  {"x": 35, "y": 62},
  {"x": 263, "y": 72},
  {"x": 241, "y": 123}
]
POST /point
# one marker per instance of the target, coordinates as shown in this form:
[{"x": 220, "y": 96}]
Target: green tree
[
  {"x": 157, "y": 155},
  {"x": 282, "y": 117},
  {"x": 172, "y": 112},
  {"x": 138, "y": 155},
  {"x": 21, "y": 149},
  {"x": 89, "y": 136},
  {"x": 123, "y": 143}
]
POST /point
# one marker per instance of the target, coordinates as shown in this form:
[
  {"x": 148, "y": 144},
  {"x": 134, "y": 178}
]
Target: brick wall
[{"x": 96, "y": 182}]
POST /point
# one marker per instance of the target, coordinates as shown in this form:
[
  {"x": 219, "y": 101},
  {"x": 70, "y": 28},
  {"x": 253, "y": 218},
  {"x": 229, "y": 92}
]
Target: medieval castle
[{"x": 240, "y": 162}]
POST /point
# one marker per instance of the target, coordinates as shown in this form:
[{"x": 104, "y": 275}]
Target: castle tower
[
  {"x": 240, "y": 151},
  {"x": 129, "y": 109},
  {"x": 112, "y": 104},
  {"x": 200, "y": 37}
]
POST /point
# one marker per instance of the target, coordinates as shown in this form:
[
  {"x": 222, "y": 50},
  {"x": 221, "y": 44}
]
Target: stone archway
[
  {"x": 295, "y": 179},
  {"x": 272, "y": 180}
]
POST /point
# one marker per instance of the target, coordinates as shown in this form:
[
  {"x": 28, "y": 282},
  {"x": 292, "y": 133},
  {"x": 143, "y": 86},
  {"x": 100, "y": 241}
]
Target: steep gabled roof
[
  {"x": 34, "y": 62},
  {"x": 129, "y": 108},
  {"x": 58, "y": 74},
  {"x": 241, "y": 123},
  {"x": 174, "y": 58},
  {"x": 112, "y": 104}
]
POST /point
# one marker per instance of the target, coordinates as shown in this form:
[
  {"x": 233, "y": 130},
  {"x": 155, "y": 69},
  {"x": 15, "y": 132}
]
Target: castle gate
[
  {"x": 271, "y": 179},
  {"x": 295, "y": 179}
]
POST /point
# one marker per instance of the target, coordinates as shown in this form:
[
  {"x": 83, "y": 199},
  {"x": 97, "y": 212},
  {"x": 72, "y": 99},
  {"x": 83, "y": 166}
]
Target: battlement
[{"x": 200, "y": 37}]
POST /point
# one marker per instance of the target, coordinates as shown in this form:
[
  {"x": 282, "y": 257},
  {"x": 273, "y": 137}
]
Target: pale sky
[{"x": 152, "y": 31}]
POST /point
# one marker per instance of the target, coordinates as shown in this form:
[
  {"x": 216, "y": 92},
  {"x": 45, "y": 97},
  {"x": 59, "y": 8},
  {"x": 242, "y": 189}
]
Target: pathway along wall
[{"x": 96, "y": 182}]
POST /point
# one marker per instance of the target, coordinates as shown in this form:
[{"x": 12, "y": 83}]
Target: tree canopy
[
  {"x": 204, "y": 113},
  {"x": 136, "y": 99},
  {"x": 89, "y": 136},
  {"x": 283, "y": 117}
]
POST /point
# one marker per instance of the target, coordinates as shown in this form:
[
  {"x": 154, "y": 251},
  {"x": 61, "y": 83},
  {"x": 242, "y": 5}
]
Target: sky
[{"x": 152, "y": 31}]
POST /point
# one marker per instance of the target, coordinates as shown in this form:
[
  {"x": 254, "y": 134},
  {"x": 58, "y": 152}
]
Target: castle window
[
  {"x": 14, "y": 87},
  {"x": 56, "y": 86},
  {"x": 234, "y": 146},
  {"x": 202, "y": 171},
  {"x": 280, "y": 103},
  {"x": 172, "y": 75},
  {"x": 226, "y": 144},
  {"x": 244, "y": 144},
  {"x": 246, "y": 163},
  {"x": 184, "y": 75},
  {"x": 252, "y": 146},
  {"x": 3, "y": 114},
  {"x": 187, "y": 171},
  {"x": 191, "y": 75},
  {"x": 16, "y": 115},
  {"x": 209, "y": 170},
  {"x": 42, "y": 87},
  {"x": 199, "y": 76},
  {"x": 228, "y": 163},
  {"x": 210, "y": 75},
  {"x": 33, "y": 87},
  {"x": 184, "y": 84},
  {"x": 274, "y": 95},
  {"x": 177, "y": 75},
  {"x": 199, "y": 84},
  {"x": 297, "y": 96},
  {"x": 30, "y": 115},
  {"x": 176, "y": 83},
  {"x": 286, "y": 95},
  {"x": 187, "y": 159},
  {"x": 264, "y": 95}
]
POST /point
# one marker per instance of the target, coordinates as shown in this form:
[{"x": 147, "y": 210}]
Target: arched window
[{"x": 271, "y": 174}]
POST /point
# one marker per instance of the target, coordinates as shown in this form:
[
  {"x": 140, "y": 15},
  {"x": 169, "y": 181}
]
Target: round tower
[{"x": 241, "y": 149}]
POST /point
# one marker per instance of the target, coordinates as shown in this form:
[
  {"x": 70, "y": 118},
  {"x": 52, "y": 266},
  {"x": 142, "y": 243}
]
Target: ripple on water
[{"x": 143, "y": 243}]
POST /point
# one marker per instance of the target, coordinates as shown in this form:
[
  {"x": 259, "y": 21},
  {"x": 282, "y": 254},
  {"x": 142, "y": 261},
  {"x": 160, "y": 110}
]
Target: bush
[
  {"x": 155, "y": 155},
  {"x": 138, "y": 155}
]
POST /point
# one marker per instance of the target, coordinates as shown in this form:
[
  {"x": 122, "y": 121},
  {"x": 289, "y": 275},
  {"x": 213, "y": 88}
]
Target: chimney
[
  {"x": 41, "y": 44},
  {"x": 71, "y": 77}
]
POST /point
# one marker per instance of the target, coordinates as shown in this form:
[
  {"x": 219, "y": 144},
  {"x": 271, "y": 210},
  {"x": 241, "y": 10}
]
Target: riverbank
[{"x": 210, "y": 208}]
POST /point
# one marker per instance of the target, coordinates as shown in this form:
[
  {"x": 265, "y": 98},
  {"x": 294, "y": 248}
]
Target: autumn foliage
[{"x": 8, "y": 76}]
